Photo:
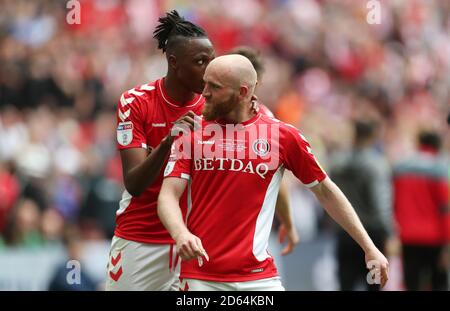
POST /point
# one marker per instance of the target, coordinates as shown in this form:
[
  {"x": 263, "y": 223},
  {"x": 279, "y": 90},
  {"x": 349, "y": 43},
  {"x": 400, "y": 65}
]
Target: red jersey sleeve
[
  {"x": 131, "y": 121},
  {"x": 180, "y": 160},
  {"x": 298, "y": 157}
]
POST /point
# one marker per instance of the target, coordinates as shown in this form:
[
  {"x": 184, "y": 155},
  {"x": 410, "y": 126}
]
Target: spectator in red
[
  {"x": 421, "y": 202},
  {"x": 9, "y": 192}
]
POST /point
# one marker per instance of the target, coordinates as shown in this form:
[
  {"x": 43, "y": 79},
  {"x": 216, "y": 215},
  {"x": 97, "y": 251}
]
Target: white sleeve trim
[
  {"x": 312, "y": 184},
  {"x": 185, "y": 176}
]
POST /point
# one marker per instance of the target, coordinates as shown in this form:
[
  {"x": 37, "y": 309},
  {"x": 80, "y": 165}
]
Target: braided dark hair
[{"x": 174, "y": 25}]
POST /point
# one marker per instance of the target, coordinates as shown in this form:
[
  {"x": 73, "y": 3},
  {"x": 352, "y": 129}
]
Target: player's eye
[{"x": 200, "y": 62}]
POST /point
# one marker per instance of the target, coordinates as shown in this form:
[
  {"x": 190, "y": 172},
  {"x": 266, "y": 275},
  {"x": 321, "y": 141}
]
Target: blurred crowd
[{"x": 325, "y": 66}]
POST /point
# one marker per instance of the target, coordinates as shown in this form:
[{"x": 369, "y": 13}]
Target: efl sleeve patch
[{"x": 125, "y": 133}]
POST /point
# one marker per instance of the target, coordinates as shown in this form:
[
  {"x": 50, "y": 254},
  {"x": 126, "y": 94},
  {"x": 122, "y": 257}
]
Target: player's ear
[
  {"x": 244, "y": 91},
  {"x": 172, "y": 61}
]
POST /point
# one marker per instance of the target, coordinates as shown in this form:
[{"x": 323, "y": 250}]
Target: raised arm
[
  {"x": 340, "y": 209},
  {"x": 140, "y": 168}
]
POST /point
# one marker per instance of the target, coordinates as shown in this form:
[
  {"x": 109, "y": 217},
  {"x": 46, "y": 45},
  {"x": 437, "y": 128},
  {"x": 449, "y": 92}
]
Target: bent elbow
[
  {"x": 133, "y": 190},
  {"x": 136, "y": 187}
]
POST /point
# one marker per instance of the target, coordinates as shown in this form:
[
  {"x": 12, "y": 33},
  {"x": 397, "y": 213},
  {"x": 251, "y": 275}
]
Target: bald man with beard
[
  {"x": 238, "y": 78},
  {"x": 232, "y": 166}
]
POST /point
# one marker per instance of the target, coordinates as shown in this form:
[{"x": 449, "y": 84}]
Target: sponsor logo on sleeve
[
  {"x": 125, "y": 133},
  {"x": 169, "y": 168}
]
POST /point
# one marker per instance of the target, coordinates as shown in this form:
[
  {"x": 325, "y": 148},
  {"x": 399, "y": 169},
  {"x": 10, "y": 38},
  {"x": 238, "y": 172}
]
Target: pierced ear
[{"x": 172, "y": 61}]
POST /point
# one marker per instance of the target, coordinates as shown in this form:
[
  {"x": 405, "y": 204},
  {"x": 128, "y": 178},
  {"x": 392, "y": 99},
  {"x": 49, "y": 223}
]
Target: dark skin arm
[{"x": 140, "y": 168}]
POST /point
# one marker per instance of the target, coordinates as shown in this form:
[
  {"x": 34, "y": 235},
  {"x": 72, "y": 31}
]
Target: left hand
[
  {"x": 377, "y": 263},
  {"x": 292, "y": 238}
]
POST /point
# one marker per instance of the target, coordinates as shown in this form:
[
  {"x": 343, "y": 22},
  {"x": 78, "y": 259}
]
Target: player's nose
[{"x": 206, "y": 93}]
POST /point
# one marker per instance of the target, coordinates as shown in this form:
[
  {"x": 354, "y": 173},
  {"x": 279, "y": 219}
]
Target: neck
[{"x": 176, "y": 90}]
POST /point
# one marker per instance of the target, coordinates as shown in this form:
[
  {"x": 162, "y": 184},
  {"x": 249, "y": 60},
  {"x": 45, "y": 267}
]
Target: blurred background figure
[
  {"x": 422, "y": 213},
  {"x": 22, "y": 228},
  {"x": 364, "y": 175},
  {"x": 82, "y": 282}
]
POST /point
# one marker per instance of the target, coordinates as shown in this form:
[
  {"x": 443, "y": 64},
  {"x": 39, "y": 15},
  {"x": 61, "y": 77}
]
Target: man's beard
[{"x": 218, "y": 111}]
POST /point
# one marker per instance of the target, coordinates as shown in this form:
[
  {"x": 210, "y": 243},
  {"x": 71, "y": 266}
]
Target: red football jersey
[
  {"x": 265, "y": 111},
  {"x": 234, "y": 177},
  {"x": 144, "y": 117}
]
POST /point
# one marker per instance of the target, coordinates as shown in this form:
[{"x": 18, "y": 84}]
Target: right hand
[
  {"x": 184, "y": 125},
  {"x": 190, "y": 246}
]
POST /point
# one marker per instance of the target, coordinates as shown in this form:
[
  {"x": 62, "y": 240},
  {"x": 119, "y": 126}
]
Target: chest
[{"x": 248, "y": 153}]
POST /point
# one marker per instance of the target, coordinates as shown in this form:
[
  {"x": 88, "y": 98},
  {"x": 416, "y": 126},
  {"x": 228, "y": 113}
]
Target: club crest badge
[{"x": 261, "y": 147}]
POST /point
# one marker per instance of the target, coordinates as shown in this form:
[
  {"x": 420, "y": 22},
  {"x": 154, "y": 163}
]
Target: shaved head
[
  {"x": 230, "y": 82},
  {"x": 235, "y": 71}
]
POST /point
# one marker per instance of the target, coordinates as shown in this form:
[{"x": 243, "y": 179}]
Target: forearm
[
  {"x": 340, "y": 209},
  {"x": 169, "y": 213},
  {"x": 140, "y": 177}
]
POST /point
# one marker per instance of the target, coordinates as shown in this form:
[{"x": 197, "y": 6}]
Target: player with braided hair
[{"x": 142, "y": 256}]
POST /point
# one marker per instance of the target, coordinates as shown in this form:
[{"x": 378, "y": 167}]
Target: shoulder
[
  {"x": 140, "y": 93},
  {"x": 290, "y": 132},
  {"x": 136, "y": 100},
  {"x": 284, "y": 128},
  {"x": 265, "y": 111},
  {"x": 377, "y": 160},
  {"x": 287, "y": 133},
  {"x": 423, "y": 164}
]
